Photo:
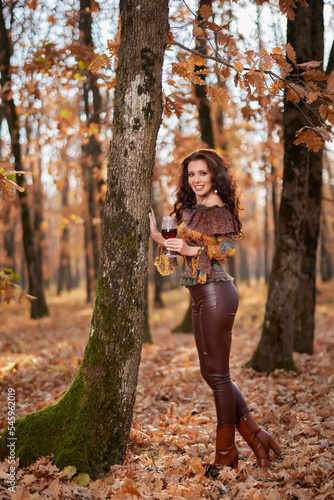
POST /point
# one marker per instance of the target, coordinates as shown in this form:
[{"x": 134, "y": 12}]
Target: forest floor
[{"x": 173, "y": 432}]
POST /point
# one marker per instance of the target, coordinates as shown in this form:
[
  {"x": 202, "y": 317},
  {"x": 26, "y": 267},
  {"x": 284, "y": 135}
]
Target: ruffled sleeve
[
  {"x": 220, "y": 250},
  {"x": 210, "y": 220},
  {"x": 165, "y": 265}
]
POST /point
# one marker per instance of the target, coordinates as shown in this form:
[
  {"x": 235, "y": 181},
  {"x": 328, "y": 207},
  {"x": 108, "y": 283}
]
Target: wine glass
[{"x": 169, "y": 230}]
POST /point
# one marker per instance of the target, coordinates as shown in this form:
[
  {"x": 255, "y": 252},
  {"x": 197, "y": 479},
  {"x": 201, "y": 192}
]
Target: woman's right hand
[
  {"x": 154, "y": 233},
  {"x": 153, "y": 223}
]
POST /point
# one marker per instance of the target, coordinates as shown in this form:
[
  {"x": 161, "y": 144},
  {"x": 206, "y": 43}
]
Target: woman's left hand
[{"x": 180, "y": 246}]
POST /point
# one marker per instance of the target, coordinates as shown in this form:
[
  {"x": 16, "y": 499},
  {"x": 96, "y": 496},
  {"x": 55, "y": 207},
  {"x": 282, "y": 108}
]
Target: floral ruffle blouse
[{"x": 212, "y": 229}]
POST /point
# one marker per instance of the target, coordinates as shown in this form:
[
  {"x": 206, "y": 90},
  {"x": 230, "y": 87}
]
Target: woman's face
[{"x": 199, "y": 178}]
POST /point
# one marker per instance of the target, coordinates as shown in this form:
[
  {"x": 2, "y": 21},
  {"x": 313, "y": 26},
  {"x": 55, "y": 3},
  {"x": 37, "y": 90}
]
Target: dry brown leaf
[
  {"x": 218, "y": 94},
  {"x": 21, "y": 493},
  {"x": 313, "y": 140},
  {"x": 286, "y": 7},
  {"x": 291, "y": 53},
  {"x": 238, "y": 66},
  {"x": 178, "y": 427},
  {"x": 326, "y": 113},
  {"x": 206, "y": 12}
]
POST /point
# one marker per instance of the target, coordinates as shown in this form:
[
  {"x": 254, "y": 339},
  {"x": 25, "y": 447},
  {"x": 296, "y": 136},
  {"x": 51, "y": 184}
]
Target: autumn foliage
[{"x": 263, "y": 74}]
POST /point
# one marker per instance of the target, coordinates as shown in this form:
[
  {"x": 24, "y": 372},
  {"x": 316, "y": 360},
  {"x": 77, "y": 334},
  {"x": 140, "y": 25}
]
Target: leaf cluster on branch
[{"x": 259, "y": 75}]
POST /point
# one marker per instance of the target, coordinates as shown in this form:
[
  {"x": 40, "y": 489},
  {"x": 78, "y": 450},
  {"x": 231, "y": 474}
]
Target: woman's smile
[{"x": 200, "y": 179}]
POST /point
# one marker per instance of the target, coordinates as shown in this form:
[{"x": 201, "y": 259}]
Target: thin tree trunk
[
  {"x": 92, "y": 150},
  {"x": 306, "y": 294},
  {"x": 9, "y": 221},
  {"x": 274, "y": 199},
  {"x": 276, "y": 345},
  {"x": 158, "y": 283},
  {"x": 206, "y": 129},
  {"x": 38, "y": 219},
  {"x": 203, "y": 107},
  {"x": 158, "y": 279},
  {"x": 37, "y": 195},
  {"x": 88, "y": 261},
  {"x": 38, "y": 307},
  {"x": 244, "y": 267},
  {"x": 64, "y": 275},
  {"x": 89, "y": 427},
  {"x": 259, "y": 266},
  {"x": 326, "y": 267},
  {"x": 266, "y": 237},
  {"x": 147, "y": 337}
]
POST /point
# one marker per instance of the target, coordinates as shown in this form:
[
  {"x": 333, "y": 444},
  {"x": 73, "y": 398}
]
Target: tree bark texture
[
  {"x": 90, "y": 425},
  {"x": 276, "y": 345},
  {"x": 38, "y": 307},
  {"x": 303, "y": 335}
]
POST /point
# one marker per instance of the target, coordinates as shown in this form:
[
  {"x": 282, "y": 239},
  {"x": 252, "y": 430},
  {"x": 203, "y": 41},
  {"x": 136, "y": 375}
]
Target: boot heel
[{"x": 274, "y": 446}]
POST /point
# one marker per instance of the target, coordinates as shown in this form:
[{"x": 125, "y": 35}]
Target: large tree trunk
[
  {"x": 306, "y": 294},
  {"x": 276, "y": 345},
  {"x": 90, "y": 425},
  {"x": 38, "y": 307}
]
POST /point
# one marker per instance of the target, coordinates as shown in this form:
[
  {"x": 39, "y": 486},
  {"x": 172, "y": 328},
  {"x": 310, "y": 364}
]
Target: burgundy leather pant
[{"x": 214, "y": 306}]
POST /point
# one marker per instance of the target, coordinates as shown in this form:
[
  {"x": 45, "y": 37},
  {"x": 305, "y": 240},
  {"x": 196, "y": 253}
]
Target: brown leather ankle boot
[
  {"x": 226, "y": 452},
  {"x": 258, "y": 439}
]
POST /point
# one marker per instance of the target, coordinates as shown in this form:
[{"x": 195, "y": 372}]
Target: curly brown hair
[{"x": 223, "y": 183}]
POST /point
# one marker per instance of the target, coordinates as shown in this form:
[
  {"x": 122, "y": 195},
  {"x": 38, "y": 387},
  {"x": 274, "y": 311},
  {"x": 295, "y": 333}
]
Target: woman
[{"x": 207, "y": 213}]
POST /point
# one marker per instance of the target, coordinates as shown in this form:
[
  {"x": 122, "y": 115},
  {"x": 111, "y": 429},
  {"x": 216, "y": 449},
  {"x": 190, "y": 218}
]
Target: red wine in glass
[
  {"x": 169, "y": 233},
  {"x": 169, "y": 230}
]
